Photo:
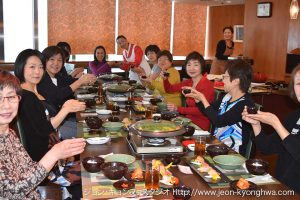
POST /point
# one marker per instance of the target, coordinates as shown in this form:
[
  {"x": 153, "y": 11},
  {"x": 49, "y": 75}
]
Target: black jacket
[
  {"x": 59, "y": 94},
  {"x": 288, "y": 150},
  {"x": 232, "y": 116},
  {"x": 221, "y": 48}
]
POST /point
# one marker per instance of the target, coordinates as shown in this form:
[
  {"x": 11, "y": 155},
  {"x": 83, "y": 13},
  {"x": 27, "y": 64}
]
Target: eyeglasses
[
  {"x": 225, "y": 76},
  {"x": 11, "y": 99}
]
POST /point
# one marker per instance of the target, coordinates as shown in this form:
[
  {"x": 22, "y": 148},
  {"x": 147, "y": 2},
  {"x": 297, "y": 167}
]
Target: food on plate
[
  {"x": 127, "y": 122},
  {"x": 139, "y": 108},
  {"x": 167, "y": 177},
  {"x": 124, "y": 185},
  {"x": 205, "y": 168},
  {"x": 174, "y": 180},
  {"x": 137, "y": 174},
  {"x": 243, "y": 184},
  {"x": 169, "y": 180}
]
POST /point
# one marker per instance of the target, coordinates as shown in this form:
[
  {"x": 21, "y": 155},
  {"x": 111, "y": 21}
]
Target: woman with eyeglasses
[
  {"x": 285, "y": 141},
  {"x": 225, "y": 112},
  {"x": 165, "y": 63},
  {"x": 20, "y": 176},
  {"x": 194, "y": 66}
]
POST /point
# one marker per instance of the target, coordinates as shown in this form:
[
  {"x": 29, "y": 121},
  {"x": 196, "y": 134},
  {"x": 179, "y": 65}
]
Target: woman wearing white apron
[{"x": 224, "y": 50}]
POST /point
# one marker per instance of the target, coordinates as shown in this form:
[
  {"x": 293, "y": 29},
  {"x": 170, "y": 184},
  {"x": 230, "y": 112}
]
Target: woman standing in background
[{"x": 224, "y": 50}]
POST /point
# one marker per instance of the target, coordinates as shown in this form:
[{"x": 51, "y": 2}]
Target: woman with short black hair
[
  {"x": 225, "y": 112},
  {"x": 151, "y": 52},
  {"x": 165, "y": 63}
]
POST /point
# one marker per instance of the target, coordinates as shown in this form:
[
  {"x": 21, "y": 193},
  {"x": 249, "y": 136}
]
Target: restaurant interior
[{"x": 115, "y": 123}]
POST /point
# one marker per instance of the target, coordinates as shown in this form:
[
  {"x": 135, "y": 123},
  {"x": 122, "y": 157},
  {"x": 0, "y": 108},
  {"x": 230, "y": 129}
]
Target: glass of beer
[
  {"x": 151, "y": 177},
  {"x": 148, "y": 113},
  {"x": 110, "y": 105},
  {"x": 200, "y": 144}
]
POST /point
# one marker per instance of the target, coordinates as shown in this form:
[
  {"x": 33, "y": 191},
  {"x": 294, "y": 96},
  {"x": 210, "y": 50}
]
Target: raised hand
[
  {"x": 68, "y": 148},
  {"x": 198, "y": 96},
  {"x": 87, "y": 79},
  {"x": 249, "y": 117},
  {"x": 171, "y": 107},
  {"x": 73, "y": 105}
]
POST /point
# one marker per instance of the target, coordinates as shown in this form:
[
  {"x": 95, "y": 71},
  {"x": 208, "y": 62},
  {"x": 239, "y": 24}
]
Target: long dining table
[{"x": 200, "y": 189}]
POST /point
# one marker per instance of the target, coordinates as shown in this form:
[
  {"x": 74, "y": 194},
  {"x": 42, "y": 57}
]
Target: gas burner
[
  {"x": 156, "y": 141},
  {"x": 144, "y": 145}
]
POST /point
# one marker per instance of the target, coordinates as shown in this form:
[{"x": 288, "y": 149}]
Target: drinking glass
[
  {"x": 148, "y": 113},
  {"x": 200, "y": 144},
  {"x": 151, "y": 177}
]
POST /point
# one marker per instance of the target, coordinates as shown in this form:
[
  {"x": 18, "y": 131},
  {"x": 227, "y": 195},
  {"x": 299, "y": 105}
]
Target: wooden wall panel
[
  {"x": 145, "y": 23},
  {"x": 83, "y": 24},
  {"x": 189, "y": 28},
  {"x": 219, "y": 17},
  {"x": 265, "y": 39}
]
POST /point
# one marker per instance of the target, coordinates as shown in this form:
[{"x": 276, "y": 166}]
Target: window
[{"x": 238, "y": 35}]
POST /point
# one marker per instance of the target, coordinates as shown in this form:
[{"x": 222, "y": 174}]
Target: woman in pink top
[{"x": 194, "y": 65}]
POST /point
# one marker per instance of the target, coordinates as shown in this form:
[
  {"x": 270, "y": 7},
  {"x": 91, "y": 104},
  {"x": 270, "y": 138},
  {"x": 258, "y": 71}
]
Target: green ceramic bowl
[
  {"x": 229, "y": 162},
  {"x": 123, "y": 158},
  {"x": 162, "y": 106},
  {"x": 113, "y": 126},
  {"x": 181, "y": 121}
]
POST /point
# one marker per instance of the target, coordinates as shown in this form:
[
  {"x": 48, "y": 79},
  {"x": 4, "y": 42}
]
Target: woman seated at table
[
  {"x": 194, "y": 65},
  {"x": 225, "y": 112},
  {"x": 165, "y": 60},
  {"x": 99, "y": 66},
  {"x": 38, "y": 127},
  {"x": 57, "y": 89},
  {"x": 19, "y": 174},
  {"x": 68, "y": 69},
  {"x": 285, "y": 141},
  {"x": 151, "y": 52}
]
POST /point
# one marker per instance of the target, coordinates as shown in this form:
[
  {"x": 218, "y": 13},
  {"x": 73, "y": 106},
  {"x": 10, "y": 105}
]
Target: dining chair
[{"x": 21, "y": 132}]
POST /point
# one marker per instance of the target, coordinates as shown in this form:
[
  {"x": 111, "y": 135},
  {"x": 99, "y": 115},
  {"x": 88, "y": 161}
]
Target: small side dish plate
[{"x": 98, "y": 140}]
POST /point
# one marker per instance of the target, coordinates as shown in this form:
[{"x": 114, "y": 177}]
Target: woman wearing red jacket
[{"x": 194, "y": 65}]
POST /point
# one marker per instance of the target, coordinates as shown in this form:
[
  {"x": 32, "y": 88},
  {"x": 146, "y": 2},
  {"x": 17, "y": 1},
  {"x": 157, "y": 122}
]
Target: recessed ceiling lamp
[{"x": 294, "y": 9}]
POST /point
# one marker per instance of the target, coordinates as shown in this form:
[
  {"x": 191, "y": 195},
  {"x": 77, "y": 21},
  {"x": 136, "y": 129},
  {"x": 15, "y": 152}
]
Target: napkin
[
  {"x": 86, "y": 96},
  {"x": 88, "y": 114},
  {"x": 262, "y": 179},
  {"x": 118, "y": 98},
  {"x": 200, "y": 133},
  {"x": 185, "y": 169}
]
